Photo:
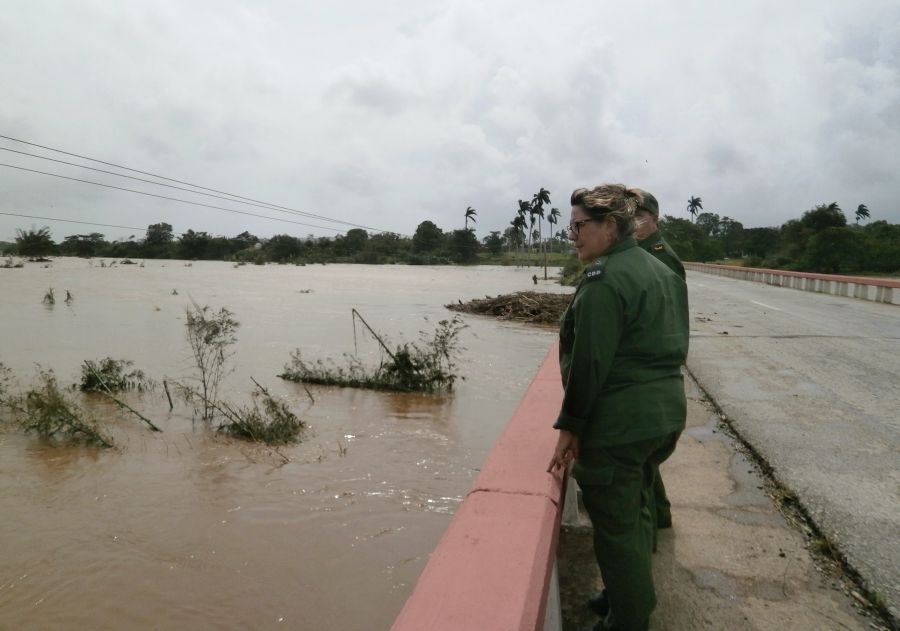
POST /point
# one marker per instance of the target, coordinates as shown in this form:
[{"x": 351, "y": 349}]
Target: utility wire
[
  {"x": 86, "y": 223},
  {"x": 180, "y": 188},
  {"x": 162, "y": 177},
  {"x": 174, "y": 199}
]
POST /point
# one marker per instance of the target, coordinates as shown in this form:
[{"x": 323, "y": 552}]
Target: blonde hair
[{"x": 609, "y": 200}]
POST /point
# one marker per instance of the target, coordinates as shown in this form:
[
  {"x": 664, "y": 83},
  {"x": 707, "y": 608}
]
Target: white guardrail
[{"x": 861, "y": 287}]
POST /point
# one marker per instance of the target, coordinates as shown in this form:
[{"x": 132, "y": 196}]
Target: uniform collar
[
  {"x": 596, "y": 269},
  {"x": 651, "y": 240},
  {"x": 625, "y": 243}
]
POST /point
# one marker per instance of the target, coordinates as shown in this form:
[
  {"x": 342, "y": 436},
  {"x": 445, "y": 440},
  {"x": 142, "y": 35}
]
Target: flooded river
[{"x": 187, "y": 529}]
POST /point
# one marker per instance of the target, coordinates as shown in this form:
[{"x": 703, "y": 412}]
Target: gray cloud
[{"x": 400, "y": 112}]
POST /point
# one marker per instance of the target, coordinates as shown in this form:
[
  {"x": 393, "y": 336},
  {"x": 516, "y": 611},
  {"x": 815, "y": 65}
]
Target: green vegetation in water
[
  {"x": 112, "y": 375},
  {"x": 12, "y": 264},
  {"x": 210, "y": 335},
  {"x": 46, "y": 411},
  {"x": 5, "y": 382},
  {"x": 272, "y": 422},
  {"x": 425, "y": 367}
]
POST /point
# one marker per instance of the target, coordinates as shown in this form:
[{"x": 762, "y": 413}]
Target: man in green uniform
[
  {"x": 646, "y": 232},
  {"x": 623, "y": 341}
]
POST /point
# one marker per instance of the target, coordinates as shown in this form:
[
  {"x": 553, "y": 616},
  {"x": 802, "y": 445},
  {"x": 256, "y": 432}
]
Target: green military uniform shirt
[
  {"x": 623, "y": 340},
  {"x": 657, "y": 246}
]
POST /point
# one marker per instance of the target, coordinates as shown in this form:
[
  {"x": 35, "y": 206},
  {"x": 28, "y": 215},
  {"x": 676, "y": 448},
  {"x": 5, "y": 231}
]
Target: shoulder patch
[
  {"x": 596, "y": 270},
  {"x": 659, "y": 247}
]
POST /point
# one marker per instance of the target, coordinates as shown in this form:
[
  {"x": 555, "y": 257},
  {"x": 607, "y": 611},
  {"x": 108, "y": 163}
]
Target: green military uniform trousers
[{"x": 617, "y": 488}]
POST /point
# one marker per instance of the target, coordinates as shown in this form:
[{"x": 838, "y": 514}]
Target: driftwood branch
[
  {"x": 263, "y": 390},
  {"x": 356, "y": 314},
  {"x": 168, "y": 396}
]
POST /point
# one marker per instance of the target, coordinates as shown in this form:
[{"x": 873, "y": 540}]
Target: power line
[
  {"x": 180, "y": 188},
  {"x": 162, "y": 177},
  {"x": 174, "y": 199},
  {"x": 86, "y": 223}
]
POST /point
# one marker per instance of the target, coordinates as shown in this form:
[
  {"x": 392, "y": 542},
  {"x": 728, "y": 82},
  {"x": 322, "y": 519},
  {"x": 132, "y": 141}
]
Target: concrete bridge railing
[
  {"x": 862, "y": 287},
  {"x": 494, "y": 568}
]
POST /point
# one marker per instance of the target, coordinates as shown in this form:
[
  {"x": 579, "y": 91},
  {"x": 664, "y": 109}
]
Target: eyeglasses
[{"x": 575, "y": 226}]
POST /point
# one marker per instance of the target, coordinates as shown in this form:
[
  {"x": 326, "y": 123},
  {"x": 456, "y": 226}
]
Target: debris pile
[{"x": 522, "y": 306}]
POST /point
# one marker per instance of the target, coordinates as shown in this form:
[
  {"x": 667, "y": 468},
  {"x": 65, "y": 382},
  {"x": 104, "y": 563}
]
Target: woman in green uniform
[{"x": 623, "y": 341}]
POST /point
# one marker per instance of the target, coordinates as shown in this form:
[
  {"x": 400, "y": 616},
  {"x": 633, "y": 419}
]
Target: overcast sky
[{"x": 388, "y": 113}]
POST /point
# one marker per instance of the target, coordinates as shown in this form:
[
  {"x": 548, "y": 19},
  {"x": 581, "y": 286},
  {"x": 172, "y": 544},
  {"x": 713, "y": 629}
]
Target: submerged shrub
[
  {"x": 272, "y": 423},
  {"x": 5, "y": 377},
  {"x": 353, "y": 375},
  {"x": 210, "y": 335},
  {"x": 112, "y": 375},
  {"x": 425, "y": 367},
  {"x": 46, "y": 411},
  {"x": 6, "y": 400}
]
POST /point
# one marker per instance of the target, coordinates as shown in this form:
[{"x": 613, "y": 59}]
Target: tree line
[
  {"x": 821, "y": 240},
  {"x": 429, "y": 245}
]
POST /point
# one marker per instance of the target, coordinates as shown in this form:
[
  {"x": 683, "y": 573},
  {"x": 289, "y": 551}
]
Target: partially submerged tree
[{"x": 210, "y": 335}]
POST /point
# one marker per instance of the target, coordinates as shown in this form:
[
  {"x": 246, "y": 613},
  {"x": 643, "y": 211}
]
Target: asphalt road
[{"x": 812, "y": 381}]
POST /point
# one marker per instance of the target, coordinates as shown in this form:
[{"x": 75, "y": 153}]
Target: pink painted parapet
[{"x": 491, "y": 569}]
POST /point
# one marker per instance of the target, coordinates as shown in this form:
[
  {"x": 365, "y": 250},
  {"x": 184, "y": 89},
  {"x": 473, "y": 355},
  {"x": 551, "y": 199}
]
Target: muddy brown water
[{"x": 188, "y": 529}]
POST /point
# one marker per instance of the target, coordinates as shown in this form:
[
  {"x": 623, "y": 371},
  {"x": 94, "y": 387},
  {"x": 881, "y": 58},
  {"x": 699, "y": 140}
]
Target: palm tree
[
  {"x": 524, "y": 209},
  {"x": 541, "y": 197},
  {"x": 695, "y": 205},
  {"x": 537, "y": 204},
  {"x": 531, "y": 232},
  {"x": 518, "y": 224},
  {"x": 861, "y": 212},
  {"x": 553, "y": 218},
  {"x": 470, "y": 214}
]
